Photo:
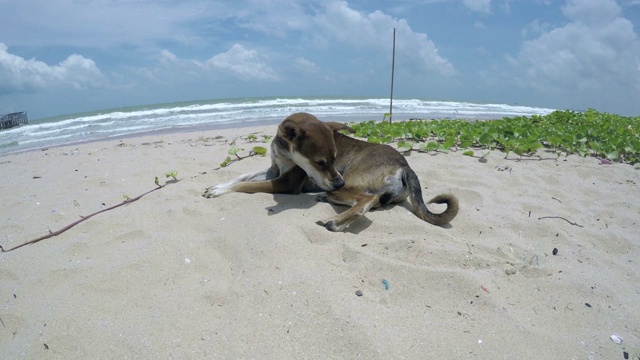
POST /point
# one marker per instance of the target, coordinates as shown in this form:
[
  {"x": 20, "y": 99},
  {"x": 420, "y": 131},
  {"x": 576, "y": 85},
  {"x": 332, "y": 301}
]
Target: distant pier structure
[{"x": 13, "y": 119}]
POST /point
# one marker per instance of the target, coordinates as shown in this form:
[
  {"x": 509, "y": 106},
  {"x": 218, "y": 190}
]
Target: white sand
[{"x": 175, "y": 275}]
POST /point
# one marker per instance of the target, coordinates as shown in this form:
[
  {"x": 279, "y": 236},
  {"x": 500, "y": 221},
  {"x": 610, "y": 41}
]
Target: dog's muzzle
[
  {"x": 328, "y": 184},
  {"x": 337, "y": 183}
]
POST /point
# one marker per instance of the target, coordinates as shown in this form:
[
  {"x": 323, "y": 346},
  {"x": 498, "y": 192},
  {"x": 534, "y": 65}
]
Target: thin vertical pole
[{"x": 393, "y": 65}]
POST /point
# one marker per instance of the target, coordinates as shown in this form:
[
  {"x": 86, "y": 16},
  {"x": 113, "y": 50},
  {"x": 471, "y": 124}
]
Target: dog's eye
[{"x": 321, "y": 162}]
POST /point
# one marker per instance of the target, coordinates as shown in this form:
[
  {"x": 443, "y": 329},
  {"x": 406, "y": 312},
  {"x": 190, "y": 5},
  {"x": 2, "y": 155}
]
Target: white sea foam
[{"x": 237, "y": 112}]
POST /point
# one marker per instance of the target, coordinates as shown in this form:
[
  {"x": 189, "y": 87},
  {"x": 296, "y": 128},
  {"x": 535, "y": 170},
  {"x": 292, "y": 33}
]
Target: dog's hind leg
[{"x": 360, "y": 203}]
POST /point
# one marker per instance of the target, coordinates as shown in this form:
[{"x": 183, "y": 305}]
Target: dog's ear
[
  {"x": 290, "y": 130},
  {"x": 339, "y": 126}
]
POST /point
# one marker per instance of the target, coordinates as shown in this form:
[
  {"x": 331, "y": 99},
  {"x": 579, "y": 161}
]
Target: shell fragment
[{"x": 616, "y": 339}]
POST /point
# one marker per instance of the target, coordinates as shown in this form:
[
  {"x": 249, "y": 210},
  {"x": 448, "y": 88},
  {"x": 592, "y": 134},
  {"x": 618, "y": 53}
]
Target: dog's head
[{"x": 312, "y": 147}]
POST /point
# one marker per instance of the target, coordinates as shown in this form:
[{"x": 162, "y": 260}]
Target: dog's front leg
[
  {"x": 220, "y": 189},
  {"x": 288, "y": 183}
]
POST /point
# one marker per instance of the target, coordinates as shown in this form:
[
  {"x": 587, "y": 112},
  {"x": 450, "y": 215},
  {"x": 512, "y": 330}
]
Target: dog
[{"x": 309, "y": 155}]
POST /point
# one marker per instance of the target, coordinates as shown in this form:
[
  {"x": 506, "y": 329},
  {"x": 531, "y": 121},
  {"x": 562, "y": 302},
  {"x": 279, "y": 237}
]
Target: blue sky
[{"x": 67, "y": 56}]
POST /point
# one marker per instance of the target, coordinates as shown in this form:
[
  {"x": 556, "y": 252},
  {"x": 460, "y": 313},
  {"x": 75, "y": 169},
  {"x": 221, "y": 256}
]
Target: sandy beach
[{"x": 542, "y": 262}]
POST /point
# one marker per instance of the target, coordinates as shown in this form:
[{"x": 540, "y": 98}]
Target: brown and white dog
[{"x": 308, "y": 155}]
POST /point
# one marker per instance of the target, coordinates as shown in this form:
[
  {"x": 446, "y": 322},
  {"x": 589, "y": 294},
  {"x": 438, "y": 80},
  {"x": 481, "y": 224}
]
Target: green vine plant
[
  {"x": 173, "y": 174},
  {"x": 127, "y": 200},
  {"x": 234, "y": 152},
  {"x": 254, "y": 138},
  {"x": 608, "y": 137},
  {"x": 256, "y": 150}
]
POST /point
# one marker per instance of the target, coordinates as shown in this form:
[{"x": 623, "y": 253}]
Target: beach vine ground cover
[
  {"x": 256, "y": 150},
  {"x": 590, "y": 133}
]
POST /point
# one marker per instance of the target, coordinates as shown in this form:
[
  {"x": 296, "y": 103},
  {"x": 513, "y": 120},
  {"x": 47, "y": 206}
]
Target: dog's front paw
[
  {"x": 215, "y": 191},
  {"x": 322, "y": 198}
]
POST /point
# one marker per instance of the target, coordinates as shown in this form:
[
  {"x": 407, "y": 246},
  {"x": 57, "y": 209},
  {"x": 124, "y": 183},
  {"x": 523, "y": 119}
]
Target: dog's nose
[{"x": 337, "y": 183}]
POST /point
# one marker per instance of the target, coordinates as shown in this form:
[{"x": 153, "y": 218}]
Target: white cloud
[
  {"x": 598, "y": 51},
  {"x": 328, "y": 24},
  {"x": 272, "y": 17},
  {"x": 102, "y": 23},
  {"x": 374, "y": 31},
  {"x": 174, "y": 70},
  {"x": 535, "y": 28},
  {"x": 247, "y": 64},
  {"x": 79, "y": 72},
  {"x": 591, "y": 12},
  {"x": 303, "y": 65},
  {"x": 19, "y": 74},
  {"x": 506, "y": 7},
  {"x": 479, "y": 25},
  {"x": 167, "y": 56},
  {"x": 478, "y": 5},
  {"x": 236, "y": 63}
]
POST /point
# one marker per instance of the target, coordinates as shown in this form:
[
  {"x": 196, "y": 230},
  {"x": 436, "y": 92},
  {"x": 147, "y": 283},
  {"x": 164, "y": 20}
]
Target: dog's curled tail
[{"x": 421, "y": 210}]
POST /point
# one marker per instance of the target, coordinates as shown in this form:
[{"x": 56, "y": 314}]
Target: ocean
[{"x": 227, "y": 113}]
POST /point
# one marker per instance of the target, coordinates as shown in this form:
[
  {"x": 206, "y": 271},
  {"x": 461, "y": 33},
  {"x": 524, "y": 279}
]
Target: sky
[{"x": 68, "y": 56}]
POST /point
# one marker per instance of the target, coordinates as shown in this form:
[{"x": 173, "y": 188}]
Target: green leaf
[
  {"x": 466, "y": 140},
  {"x": 583, "y": 151},
  {"x": 554, "y": 141},
  {"x": 468, "y": 153},
  {"x": 387, "y": 139},
  {"x": 448, "y": 142},
  {"x": 466, "y": 144},
  {"x": 518, "y": 151},
  {"x": 172, "y": 174},
  {"x": 405, "y": 145},
  {"x": 485, "y": 139},
  {"x": 614, "y": 155},
  {"x": 534, "y": 146},
  {"x": 234, "y": 151},
  {"x": 225, "y": 163},
  {"x": 432, "y": 146},
  {"x": 259, "y": 150},
  {"x": 397, "y": 133}
]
